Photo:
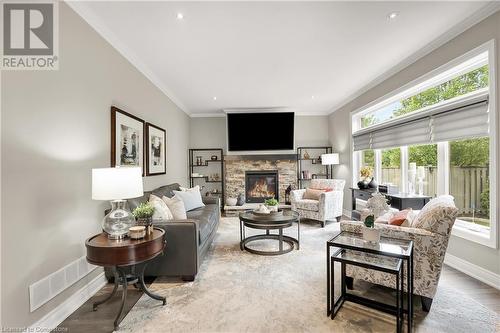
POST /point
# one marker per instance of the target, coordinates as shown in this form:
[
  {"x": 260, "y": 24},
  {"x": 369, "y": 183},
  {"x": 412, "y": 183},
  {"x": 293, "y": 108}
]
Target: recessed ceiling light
[
  {"x": 392, "y": 15},
  {"x": 215, "y": 98},
  {"x": 180, "y": 16},
  {"x": 312, "y": 97}
]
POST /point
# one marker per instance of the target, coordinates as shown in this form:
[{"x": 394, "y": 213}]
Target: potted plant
[
  {"x": 272, "y": 204},
  {"x": 370, "y": 234},
  {"x": 366, "y": 174},
  {"x": 144, "y": 215}
]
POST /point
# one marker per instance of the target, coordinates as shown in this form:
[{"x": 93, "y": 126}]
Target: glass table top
[
  {"x": 370, "y": 259},
  {"x": 401, "y": 248}
]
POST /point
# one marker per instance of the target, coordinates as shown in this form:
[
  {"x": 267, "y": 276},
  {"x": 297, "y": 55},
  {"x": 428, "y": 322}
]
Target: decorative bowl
[{"x": 231, "y": 201}]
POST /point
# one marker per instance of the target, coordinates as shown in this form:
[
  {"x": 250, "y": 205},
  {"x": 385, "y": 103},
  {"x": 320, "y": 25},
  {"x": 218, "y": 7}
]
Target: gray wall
[
  {"x": 210, "y": 132},
  {"x": 340, "y": 132},
  {"x": 55, "y": 129}
]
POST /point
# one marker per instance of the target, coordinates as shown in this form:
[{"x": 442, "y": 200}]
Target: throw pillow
[
  {"x": 192, "y": 189},
  {"x": 384, "y": 218},
  {"x": 313, "y": 194},
  {"x": 176, "y": 206},
  {"x": 162, "y": 212},
  {"x": 401, "y": 218},
  {"x": 191, "y": 198}
]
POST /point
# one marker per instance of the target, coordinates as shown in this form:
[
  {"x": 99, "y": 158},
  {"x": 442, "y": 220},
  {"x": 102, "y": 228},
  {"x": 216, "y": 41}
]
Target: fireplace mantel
[{"x": 261, "y": 157}]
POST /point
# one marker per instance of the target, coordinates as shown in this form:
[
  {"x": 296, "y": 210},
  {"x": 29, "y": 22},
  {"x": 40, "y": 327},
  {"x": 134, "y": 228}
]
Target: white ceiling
[{"x": 270, "y": 54}]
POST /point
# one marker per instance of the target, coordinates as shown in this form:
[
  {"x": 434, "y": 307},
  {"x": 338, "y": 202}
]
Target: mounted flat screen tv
[{"x": 260, "y": 131}]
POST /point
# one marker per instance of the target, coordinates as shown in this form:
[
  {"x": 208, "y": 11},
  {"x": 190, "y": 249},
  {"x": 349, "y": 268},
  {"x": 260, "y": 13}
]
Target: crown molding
[
  {"x": 207, "y": 115},
  {"x": 82, "y": 10},
  {"x": 488, "y": 10}
]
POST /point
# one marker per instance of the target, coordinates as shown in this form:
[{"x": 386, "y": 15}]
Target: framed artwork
[
  {"x": 127, "y": 139},
  {"x": 156, "y": 150}
]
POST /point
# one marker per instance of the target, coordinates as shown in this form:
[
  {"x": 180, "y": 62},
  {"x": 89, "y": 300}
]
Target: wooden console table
[
  {"x": 122, "y": 253},
  {"x": 398, "y": 201}
]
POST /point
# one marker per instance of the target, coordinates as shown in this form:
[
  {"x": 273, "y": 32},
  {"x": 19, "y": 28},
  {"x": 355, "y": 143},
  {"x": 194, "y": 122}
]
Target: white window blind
[{"x": 462, "y": 117}]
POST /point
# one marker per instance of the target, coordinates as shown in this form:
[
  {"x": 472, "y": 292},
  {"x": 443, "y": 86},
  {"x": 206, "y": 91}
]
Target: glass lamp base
[{"x": 118, "y": 221}]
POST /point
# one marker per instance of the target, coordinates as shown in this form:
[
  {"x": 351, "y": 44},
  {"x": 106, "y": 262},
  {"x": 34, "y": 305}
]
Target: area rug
[{"x": 236, "y": 291}]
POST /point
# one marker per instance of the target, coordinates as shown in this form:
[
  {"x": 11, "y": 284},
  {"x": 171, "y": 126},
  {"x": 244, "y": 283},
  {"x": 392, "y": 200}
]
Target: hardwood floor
[{"x": 101, "y": 321}]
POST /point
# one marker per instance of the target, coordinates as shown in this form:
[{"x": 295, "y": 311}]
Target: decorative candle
[{"x": 421, "y": 172}]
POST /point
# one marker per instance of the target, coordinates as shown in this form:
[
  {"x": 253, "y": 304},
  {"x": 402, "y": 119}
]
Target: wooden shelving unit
[
  {"x": 312, "y": 164},
  {"x": 207, "y": 165}
]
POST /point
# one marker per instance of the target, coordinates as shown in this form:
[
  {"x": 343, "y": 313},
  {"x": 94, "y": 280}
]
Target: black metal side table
[
  {"x": 386, "y": 247},
  {"x": 371, "y": 261}
]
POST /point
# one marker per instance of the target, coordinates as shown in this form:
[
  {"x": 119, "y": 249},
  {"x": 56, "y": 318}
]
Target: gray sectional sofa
[{"x": 188, "y": 241}]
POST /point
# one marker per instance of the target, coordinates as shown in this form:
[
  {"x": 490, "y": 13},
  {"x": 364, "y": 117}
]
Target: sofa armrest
[
  {"x": 210, "y": 200},
  {"x": 330, "y": 204},
  {"x": 181, "y": 250},
  {"x": 297, "y": 195}
]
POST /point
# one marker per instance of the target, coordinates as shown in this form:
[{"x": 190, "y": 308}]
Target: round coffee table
[{"x": 268, "y": 223}]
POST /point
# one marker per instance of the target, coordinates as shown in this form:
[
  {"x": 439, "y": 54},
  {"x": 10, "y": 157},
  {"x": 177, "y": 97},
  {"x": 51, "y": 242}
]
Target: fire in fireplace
[{"x": 261, "y": 185}]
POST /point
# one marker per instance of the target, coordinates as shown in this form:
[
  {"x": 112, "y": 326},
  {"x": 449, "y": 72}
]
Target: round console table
[
  {"x": 268, "y": 223},
  {"x": 118, "y": 254}
]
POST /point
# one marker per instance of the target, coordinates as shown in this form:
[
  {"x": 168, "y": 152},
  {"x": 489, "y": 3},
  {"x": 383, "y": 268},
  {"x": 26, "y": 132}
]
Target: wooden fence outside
[{"x": 466, "y": 185}]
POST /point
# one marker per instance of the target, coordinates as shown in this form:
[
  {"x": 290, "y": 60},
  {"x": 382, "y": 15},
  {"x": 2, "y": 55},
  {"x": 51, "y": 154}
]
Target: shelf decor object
[
  {"x": 309, "y": 165},
  {"x": 116, "y": 185},
  {"x": 206, "y": 166}
]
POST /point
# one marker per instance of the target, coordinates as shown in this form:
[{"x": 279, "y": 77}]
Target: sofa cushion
[
  {"x": 207, "y": 217},
  {"x": 176, "y": 206},
  {"x": 167, "y": 190},
  {"x": 437, "y": 216},
  {"x": 308, "y": 204}
]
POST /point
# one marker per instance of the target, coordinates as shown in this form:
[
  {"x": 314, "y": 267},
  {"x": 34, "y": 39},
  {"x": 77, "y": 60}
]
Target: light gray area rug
[{"x": 237, "y": 291}]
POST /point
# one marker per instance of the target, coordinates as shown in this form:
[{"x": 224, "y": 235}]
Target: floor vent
[{"x": 50, "y": 286}]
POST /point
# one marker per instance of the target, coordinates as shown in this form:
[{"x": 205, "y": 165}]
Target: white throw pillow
[
  {"x": 191, "y": 198},
  {"x": 192, "y": 189},
  {"x": 176, "y": 206},
  {"x": 162, "y": 212}
]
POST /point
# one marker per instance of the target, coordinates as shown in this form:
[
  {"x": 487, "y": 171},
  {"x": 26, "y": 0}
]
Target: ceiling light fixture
[
  {"x": 215, "y": 98},
  {"x": 392, "y": 15},
  {"x": 180, "y": 16},
  {"x": 312, "y": 97}
]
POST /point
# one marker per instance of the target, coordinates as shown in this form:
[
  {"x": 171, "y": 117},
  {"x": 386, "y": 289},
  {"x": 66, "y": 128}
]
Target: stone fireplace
[
  {"x": 261, "y": 185},
  {"x": 237, "y": 167}
]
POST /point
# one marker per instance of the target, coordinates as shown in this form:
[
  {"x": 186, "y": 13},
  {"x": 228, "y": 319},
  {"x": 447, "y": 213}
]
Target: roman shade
[{"x": 458, "y": 118}]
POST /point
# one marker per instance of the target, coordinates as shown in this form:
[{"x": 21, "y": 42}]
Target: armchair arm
[
  {"x": 330, "y": 204},
  {"x": 387, "y": 230}
]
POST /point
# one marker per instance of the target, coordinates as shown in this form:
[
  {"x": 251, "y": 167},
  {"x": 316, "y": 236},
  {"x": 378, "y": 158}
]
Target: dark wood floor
[{"x": 86, "y": 320}]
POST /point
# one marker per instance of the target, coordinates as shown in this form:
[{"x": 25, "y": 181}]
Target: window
[
  {"x": 443, "y": 124},
  {"x": 391, "y": 166},
  {"x": 469, "y": 179},
  {"x": 426, "y": 156}
]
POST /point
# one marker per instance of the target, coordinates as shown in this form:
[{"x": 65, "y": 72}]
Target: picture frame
[
  {"x": 127, "y": 139},
  {"x": 156, "y": 150}
]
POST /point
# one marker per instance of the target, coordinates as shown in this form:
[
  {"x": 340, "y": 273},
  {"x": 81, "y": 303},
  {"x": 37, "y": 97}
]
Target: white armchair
[{"x": 328, "y": 207}]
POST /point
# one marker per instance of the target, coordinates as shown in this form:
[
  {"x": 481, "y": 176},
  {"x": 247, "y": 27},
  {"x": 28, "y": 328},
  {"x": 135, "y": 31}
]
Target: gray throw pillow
[{"x": 191, "y": 199}]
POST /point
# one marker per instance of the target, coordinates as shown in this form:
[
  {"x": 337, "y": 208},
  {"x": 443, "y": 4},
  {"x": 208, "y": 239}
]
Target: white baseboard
[
  {"x": 52, "y": 319},
  {"x": 473, "y": 270}
]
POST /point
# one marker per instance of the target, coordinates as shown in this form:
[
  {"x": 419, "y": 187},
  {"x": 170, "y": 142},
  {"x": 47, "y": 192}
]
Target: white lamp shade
[
  {"x": 330, "y": 159},
  {"x": 116, "y": 183}
]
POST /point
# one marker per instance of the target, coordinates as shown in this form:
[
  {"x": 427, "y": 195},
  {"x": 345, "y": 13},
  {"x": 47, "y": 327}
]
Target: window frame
[{"x": 462, "y": 65}]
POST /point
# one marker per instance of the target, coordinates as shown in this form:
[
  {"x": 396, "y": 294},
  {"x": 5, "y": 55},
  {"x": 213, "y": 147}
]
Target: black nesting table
[
  {"x": 284, "y": 219},
  {"x": 388, "y": 256}
]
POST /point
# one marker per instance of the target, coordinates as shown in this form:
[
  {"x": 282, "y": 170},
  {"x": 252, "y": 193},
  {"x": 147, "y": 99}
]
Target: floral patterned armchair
[
  {"x": 430, "y": 232},
  {"x": 329, "y": 205}
]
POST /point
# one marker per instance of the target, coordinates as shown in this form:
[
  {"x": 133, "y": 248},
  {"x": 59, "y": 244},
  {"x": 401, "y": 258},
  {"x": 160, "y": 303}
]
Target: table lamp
[
  {"x": 330, "y": 159},
  {"x": 116, "y": 185}
]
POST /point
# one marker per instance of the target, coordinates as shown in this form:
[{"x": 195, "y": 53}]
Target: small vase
[
  {"x": 241, "y": 200},
  {"x": 363, "y": 184},
  {"x": 231, "y": 201},
  {"x": 373, "y": 184},
  {"x": 371, "y": 235}
]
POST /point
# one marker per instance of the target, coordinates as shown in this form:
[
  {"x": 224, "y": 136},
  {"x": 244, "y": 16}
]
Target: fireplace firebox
[{"x": 261, "y": 185}]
